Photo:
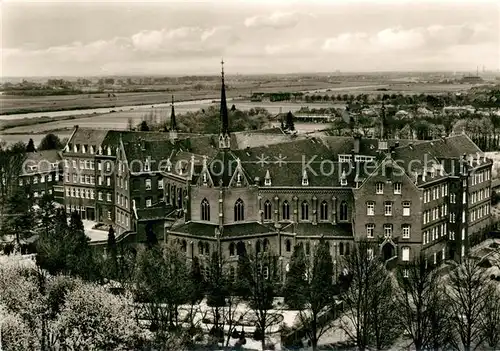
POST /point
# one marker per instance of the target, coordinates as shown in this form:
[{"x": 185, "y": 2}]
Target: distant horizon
[
  {"x": 102, "y": 39},
  {"x": 228, "y": 74}
]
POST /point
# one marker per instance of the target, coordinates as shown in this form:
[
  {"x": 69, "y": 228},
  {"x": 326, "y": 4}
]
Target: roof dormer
[
  {"x": 267, "y": 179},
  {"x": 305, "y": 179}
]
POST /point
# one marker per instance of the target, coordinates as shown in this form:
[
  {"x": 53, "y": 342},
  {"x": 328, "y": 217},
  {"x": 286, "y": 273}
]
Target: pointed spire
[
  {"x": 173, "y": 123},
  {"x": 223, "y": 105},
  {"x": 382, "y": 122}
]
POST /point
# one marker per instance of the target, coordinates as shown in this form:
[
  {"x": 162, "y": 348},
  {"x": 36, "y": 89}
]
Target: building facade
[{"x": 240, "y": 192}]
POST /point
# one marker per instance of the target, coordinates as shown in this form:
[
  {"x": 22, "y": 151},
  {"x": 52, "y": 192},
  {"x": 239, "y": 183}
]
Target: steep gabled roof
[{"x": 158, "y": 152}]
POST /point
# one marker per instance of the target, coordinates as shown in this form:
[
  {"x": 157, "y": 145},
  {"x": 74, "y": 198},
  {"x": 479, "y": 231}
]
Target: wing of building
[{"x": 234, "y": 192}]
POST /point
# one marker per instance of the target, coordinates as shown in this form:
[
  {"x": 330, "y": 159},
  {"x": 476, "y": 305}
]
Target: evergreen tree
[
  {"x": 144, "y": 126},
  {"x": 151, "y": 239},
  {"x": 20, "y": 215},
  {"x": 80, "y": 258},
  {"x": 112, "y": 253},
  {"x": 289, "y": 124},
  {"x": 31, "y": 146},
  {"x": 53, "y": 245},
  {"x": 50, "y": 142},
  {"x": 295, "y": 279}
]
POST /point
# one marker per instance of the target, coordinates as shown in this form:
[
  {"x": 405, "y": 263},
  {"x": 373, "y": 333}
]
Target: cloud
[
  {"x": 398, "y": 39},
  {"x": 275, "y": 20}
]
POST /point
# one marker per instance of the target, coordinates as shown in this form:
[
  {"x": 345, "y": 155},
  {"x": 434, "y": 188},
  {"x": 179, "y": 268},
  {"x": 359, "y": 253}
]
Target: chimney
[{"x": 357, "y": 142}]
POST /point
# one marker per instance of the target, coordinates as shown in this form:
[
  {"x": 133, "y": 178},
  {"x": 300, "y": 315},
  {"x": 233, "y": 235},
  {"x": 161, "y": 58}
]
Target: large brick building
[{"x": 266, "y": 190}]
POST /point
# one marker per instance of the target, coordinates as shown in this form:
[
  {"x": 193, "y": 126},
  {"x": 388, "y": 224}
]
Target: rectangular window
[
  {"x": 160, "y": 184},
  {"x": 82, "y": 164},
  {"x": 406, "y": 208},
  {"x": 68, "y": 192},
  {"x": 109, "y": 215},
  {"x": 49, "y": 178},
  {"x": 99, "y": 195},
  {"x": 74, "y": 164},
  {"x": 380, "y": 188},
  {"x": 406, "y": 231},
  {"x": 387, "y": 230},
  {"x": 148, "y": 202},
  {"x": 464, "y": 197},
  {"x": 453, "y": 198},
  {"x": 370, "y": 208},
  {"x": 397, "y": 188},
  {"x": 369, "y": 230},
  {"x": 108, "y": 181},
  {"x": 388, "y": 208},
  {"x": 148, "y": 184},
  {"x": 405, "y": 254},
  {"x": 108, "y": 197},
  {"x": 99, "y": 166}
]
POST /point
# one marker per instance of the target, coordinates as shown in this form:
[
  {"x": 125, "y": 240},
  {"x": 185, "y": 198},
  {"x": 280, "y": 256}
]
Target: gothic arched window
[
  {"x": 257, "y": 246},
  {"x": 205, "y": 210},
  {"x": 200, "y": 248},
  {"x": 267, "y": 210},
  {"x": 240, "y": 248},
  {"x": 239, "y": 210},
  {"x": 288, "y": 245},
  {"x": 265, "y": 245},
  {"x": 324, "y": 211},
  {"x": 305, "y": 211},
  {"x": 286, "y": 210},
  {"x": 231, "y": 249},
  {"x": 207, "y": 249},
  {"x": 343, "y": 211},
  {"x": 341, "y": 249}
]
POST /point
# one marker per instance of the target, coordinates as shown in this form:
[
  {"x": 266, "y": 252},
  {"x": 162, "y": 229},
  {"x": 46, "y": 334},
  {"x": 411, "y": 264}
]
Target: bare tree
[
  {"x": 315, "y": 295},
  {"x": 369, "y": 313},
  {"x": 467, "y": 293},
  {"x": 490, "y": 319},
  {"x": 257, "y": 280},
  {"x": 420, "y": 311}
]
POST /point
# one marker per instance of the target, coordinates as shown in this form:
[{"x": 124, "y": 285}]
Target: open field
[
  {"x": 119, "y": 119},
  {"x": 236, "y": 87}
]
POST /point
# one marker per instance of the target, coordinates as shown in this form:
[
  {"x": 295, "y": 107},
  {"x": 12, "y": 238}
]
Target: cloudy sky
[{"x": 187, "y": 37}]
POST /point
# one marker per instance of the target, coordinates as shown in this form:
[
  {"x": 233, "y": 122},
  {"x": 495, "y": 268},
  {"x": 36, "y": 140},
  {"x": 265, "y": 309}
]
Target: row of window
[
  {"x": 239, "y": 210},
  {"x": 479, "y": 212},
  {"x": 397, "y": 188},
  {"x": 122, "y": 182},
  {"x": 122, "y": 200},
  {"x": 405, "y": 230},
  {"x": 480, "y": 195},
  {"x": 86, "y": 179},
  {"x": 435, "y": 213},
  {"x": 36, "y": 194},
  {"x": 388, "y": 206},
  {"x": 437, "y": 192},
  {"x": 80, "y": 193},
  {"x": 43, "y": 178},
  {"x": 84, "y": 148},
  {"x": 122, "y": 218},
  {"x": 480, "y": 177},
  {"x": 434, "y": 233},
  {"x": 84, "y": 164}
]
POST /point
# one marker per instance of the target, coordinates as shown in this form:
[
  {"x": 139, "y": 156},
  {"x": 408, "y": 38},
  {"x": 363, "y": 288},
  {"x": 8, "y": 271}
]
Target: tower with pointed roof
[
  {"x": 224, "y": 139},
  {"x": 173, "y": 123}
]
